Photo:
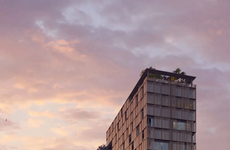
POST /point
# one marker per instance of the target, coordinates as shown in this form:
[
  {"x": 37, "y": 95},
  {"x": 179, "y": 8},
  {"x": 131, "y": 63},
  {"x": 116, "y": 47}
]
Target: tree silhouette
[
  {"x": 102, "y": 147},
  {"x": 178, "y": 71}
]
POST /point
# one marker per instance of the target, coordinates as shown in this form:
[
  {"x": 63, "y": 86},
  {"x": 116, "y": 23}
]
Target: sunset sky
[{"x": 67, "y": 66}]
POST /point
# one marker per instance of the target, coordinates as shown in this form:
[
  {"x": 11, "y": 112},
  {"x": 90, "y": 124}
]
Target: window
[
  {"x": 150, "y": 133},
  {"x": 161, "y": 145},
  {"x": 165, "y": 134},
  {"x": 173, "y": 100},
  {"x": 157, "y": 88},
  {"x": 193, "y": 126},
  {"x": 149, "y": 109},
  {"x": 131, "y": 126},
  {"x": 117, "y": 126},
  {"x": 157, "y": 110},
  {"x": 178, "y": 91},
  {"x": 193, "y": 147},
  {"x": 189, "y": 147},
  {"x": 150, "y": 98},
  {"x": 164, "y": 112},
  {"x": 150, "y": 86},
  {"x": 157, "y": 134},
  {"x": 194, "y": 138},
  {"x": 192, "y": 104},
  {"x": 157, "y": 99},
  {"x": 132, "y": 105},
  {"x": 143, "y": 135},
  {"x": 131, "y": 115},
  {"x": 137, "y": 130},
  {"x": 179, "y": 102},
  {"x": 150, "y": 122},
  {"x": 174, "y": 146},
  {"x": 180, "y": 146},
  {"x": 185, "y": 114},
  {"x": 180, "y": 125},
  {"x": 173, "y": 111},
  {"x": 126, "y": 115},
  {"x": 132, "y": 146},
  {"x": 192, "y": 93},
  {"x": 180, "y": 136},
  {"x": 174, "y": 135},
  {"x": 178, "y": 113},
  {"x": 188, "y": 136},
  {"x": 142, "y": 92},
  {"x": 186, "y": 103},
  {"x": 150, "y": 144},
  {"x": 165, "y": 101},
  {"x": 185, "y": 92},
  {"x": 164, "y": 89},
  {"x": 121, "y": 112},
  {"x": 189, "y": 126},
  {"x": 130, "y": 138},
  {"x": 174, "y": 123},
  {"x": 115, "y": 138},
  {"x": 142, "y": 113},
  {"x": 124, "y": 146},
  {"x": 165, "y": 123},
  {"x": 136, "y": 99},
  {"x": 192, "y": 115},
  {"x": 157, "y": 122}
]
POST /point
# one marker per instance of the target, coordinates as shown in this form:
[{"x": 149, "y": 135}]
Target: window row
[
  {"x": 158, "y": 99},
  {"x": 182, "y": 146},
  {"x": 160, "y": 145},
  {"x": 171, "y": 112},
  {"x": 183, "y": 114},
  {"x": 181, "y": 136},
  {"x": 173, "y": 90},
  {"x": 158, "y": 111},
  {"x": 183, "y": 125},
  {"x": 163, "y": 134},
  {"x": 158, "y": 122},
  {"x": 167, "y": 123}
]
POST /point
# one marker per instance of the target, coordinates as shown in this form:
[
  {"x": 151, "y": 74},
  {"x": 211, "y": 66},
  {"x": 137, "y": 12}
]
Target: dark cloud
[
  {"x": 7, "y": 125},
  {"x": 80, "y": 115}
]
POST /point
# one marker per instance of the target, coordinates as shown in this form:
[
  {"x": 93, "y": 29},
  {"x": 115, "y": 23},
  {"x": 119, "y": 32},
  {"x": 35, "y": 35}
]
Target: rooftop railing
[{"x": 172, "y": 82}]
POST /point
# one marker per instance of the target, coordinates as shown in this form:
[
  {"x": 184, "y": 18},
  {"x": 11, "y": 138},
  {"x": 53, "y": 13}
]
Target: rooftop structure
[{"x": 159, "y": 114}]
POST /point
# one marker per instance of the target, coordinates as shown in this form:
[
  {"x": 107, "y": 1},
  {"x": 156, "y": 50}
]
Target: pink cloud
[
  {"x": 93, "y": 60},
  {"x": 78, "y": 115}
]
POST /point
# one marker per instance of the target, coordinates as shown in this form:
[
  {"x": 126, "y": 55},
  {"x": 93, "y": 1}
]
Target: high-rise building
[{"x": 159, "y": 114}]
